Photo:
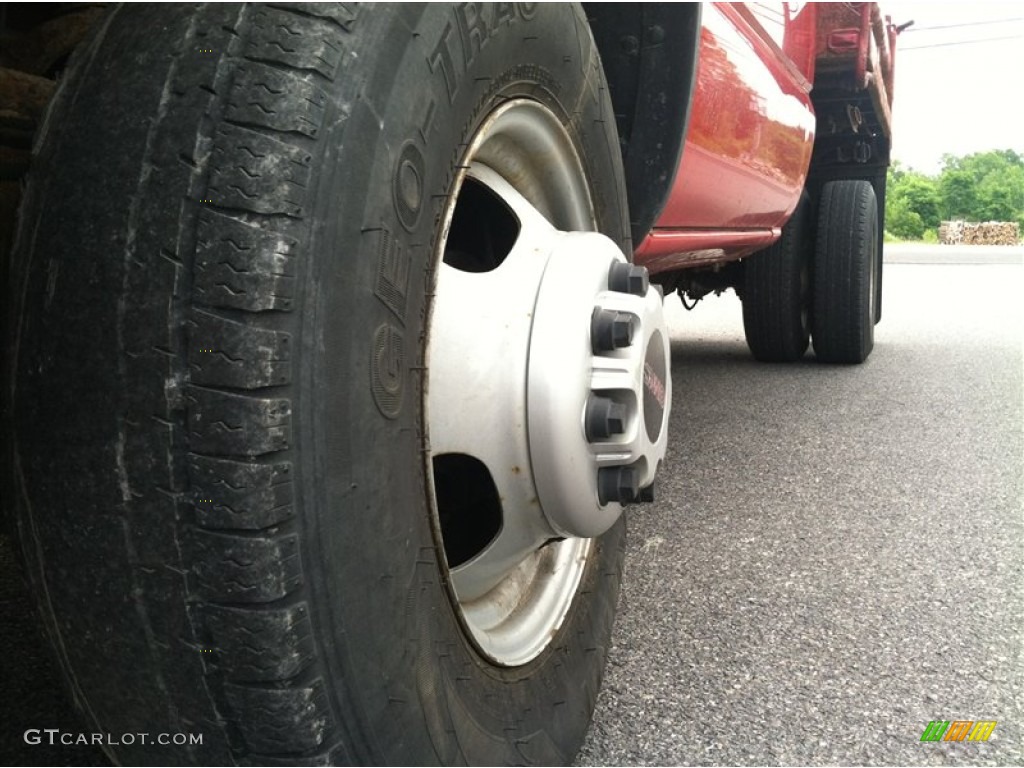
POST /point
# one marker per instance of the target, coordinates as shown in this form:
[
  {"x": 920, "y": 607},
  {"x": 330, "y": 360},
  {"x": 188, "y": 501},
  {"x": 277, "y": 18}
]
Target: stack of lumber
[
  {"x": 951, "y": 232},
  {"x": 988, "y": 233}
]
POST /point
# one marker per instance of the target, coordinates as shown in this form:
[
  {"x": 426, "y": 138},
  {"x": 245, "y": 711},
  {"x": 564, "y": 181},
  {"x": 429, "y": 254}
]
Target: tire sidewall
[
  {"x": 867, "y": 257},
  {"x": 382, "y": 611},
  {"x": 874, "y": 268}
]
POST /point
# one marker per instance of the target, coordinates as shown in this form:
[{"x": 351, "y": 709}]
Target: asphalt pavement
[
  {"x": 834, "y": 561},
  {"x": 835, "y": 558}
]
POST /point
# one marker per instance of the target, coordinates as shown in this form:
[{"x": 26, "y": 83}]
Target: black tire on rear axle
[
  {"x": 776, "y": 294},
  {"x": 845, "y": 261}
]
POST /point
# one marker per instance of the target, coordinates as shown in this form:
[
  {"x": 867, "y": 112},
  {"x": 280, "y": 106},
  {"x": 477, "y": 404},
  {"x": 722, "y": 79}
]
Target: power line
[
  {"x": 901, "y": 49},
  {"x": 964, "y": 24}
]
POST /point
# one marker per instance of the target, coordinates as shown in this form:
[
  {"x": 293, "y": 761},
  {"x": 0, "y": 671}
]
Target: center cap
[
  {"x": 598, "y": 389},
  {"x": 655, "y": 389}
]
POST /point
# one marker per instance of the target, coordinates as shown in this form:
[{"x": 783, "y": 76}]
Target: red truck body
[{"x": 748, "y": 148}]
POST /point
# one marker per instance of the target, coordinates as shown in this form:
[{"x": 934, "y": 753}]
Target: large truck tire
[
  {"x": 845, "y": 264},
  {"x": 777, "y": 295},
  {"x": 224, "y": 320}
]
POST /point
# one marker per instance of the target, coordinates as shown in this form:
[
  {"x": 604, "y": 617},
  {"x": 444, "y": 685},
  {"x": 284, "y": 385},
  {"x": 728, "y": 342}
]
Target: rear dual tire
[
  {"x": 826, "y": 289},
  {"x": 846, "y": 273},
  {"x": 776, "y": 294}
]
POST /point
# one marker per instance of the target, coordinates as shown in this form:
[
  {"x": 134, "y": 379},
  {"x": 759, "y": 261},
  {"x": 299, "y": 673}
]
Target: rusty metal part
[
  {"x": 863, "y": 46},
  {"x": 856, "y": 52}
]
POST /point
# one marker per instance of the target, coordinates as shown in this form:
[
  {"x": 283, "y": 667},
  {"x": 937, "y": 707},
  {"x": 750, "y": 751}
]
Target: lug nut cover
[
  {"x": 646, "y": 495},
  {"x": 621, "y": 484},
  {"x": 610, "y": 330},
  {"x": 628, "y": 278},
  {"x": 605, "y": 418}
]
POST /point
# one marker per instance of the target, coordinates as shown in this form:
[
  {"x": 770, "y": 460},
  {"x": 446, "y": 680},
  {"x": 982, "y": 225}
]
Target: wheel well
[
  {"x": 648, "y": 50},
  {"x": 649, "y": 54},
  {"x": 850, "y": 141}
]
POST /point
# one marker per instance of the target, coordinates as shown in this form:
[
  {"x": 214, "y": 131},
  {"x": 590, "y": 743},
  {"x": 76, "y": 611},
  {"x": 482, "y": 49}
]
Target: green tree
[
  {"x": 922, "y": 196},
  {"x": 985, "y": 186},
  {"x": 901, "y": 221},
  {"x": 913, "y": 203},
  {"x": 959, "y": 197},
  {"x": 1001, "y": 195}
]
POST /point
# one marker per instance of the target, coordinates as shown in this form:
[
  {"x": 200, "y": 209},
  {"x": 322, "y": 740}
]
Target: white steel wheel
[{"x": 521, "y": 478}]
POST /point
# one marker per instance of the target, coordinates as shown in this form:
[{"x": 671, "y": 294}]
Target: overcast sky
[{"x": 953, "y": 95}]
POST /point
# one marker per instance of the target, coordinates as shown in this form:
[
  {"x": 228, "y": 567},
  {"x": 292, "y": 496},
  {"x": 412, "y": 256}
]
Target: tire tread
[
  {"x": 772, "y": 300},
  {"x": 241, "y": 265},
  {"x": 842, "y": 322},
  {"x": 276, "y": 30},
  {"x": 247, "y": 588}
]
